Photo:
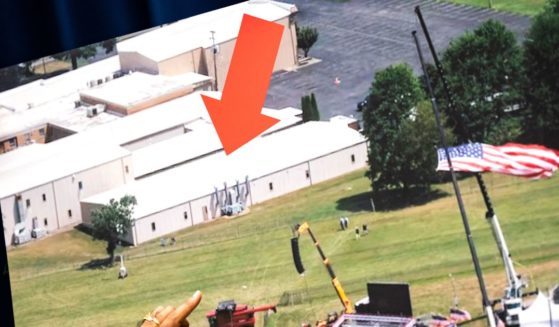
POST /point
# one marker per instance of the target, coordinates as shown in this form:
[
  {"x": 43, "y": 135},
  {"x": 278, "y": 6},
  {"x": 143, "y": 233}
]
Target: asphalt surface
[{"x": 359, "y": 37}]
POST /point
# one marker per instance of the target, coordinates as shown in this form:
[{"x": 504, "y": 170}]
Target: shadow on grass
[
  {"x": 97, "y": 264},
  {"x": 389, "y": 199}
]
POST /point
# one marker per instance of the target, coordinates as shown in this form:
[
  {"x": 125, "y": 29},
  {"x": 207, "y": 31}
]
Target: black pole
[
  {"x": 438, "y": 64},
  {"x": 6, "y": 309},
  {"x": 490, "y": 212},
  {"x": 442, "y": 136}
]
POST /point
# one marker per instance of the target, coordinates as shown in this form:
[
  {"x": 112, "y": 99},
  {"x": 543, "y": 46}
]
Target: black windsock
[{"x": 297, "y": 255}]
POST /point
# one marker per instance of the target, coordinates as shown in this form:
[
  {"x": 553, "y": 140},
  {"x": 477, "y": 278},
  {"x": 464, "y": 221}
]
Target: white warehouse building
[
  {"x": 43, "y": 184},
  {"x": 267, "y": 167}
]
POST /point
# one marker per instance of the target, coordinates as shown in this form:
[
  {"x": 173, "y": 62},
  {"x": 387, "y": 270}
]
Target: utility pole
[{"x": 214, "y": 50}]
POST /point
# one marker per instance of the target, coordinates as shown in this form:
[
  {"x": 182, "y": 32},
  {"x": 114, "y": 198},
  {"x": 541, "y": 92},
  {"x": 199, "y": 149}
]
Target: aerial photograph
[{"x": 294, "y": 163}]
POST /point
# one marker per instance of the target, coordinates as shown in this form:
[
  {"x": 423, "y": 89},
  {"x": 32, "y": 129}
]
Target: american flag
[{"x": 531, "y": 161}]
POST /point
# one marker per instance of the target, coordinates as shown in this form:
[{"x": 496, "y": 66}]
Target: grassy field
[
  {"x": 526, "y": 7},
  {"x": 249, "y": 258}
]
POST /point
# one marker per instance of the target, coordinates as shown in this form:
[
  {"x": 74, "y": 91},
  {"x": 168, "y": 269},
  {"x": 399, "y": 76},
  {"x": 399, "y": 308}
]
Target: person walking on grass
[{"x": 357, "y": 233}]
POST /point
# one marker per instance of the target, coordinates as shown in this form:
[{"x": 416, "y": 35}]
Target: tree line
[{"x": 501, "y": 91}]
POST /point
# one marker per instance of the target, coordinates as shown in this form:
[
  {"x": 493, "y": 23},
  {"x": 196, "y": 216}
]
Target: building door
[
  {"x": 35, "y": 223},
  {"x": 205, "y": 212}
]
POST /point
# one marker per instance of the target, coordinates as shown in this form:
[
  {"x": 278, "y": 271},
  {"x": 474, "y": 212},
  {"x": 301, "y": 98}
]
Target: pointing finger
[{"x": 186, "y": 308}]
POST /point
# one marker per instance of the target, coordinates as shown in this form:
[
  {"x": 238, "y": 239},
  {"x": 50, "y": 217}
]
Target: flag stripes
[{"x": 530, "y": 161}]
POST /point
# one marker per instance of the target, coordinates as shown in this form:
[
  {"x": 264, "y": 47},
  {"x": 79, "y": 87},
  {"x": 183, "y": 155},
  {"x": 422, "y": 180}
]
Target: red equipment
[{"x": 230, "y": 314}]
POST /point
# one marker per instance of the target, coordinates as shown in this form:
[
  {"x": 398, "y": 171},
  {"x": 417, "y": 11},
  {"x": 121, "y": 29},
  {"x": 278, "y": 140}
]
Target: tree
[
  {"x": 314, "y": 109},
  {"x": 310, "y": 108},
  {"x": 85, "y": 52},
  {"x": 393, "y": 96},
  {"x": 416, "y": 148},
  {"x": 541, "y": 61},
  {"x": 11, "y": 76},
  {"x": 306, "y": 37},
  {"x": 484, "y": 73},
  {"x": 113, "y": 221},
  {"x": 306, "y": 108},
  {"x": 74, "y": 54},
  {"x": 552, "y": 6}
]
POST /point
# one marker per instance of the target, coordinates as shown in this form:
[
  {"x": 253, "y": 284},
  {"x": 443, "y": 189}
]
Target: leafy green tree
[
  {"x": 85, "y": 52},
  {"x": 416, "y": 146},
  {"x": 315, "y": 114},
  {"x": 552, "y": 6},
  {"x": 541, "y": 61},
  {"x": 306, "y": 108},
  {"x": 485, "y": 75},
  {"x": 10, "y": 77},
  {"x": 306, "y": 38},
  {"x": 393, "y": 96},
  {"x": 310, "y": 108},
  {"x": 75, "y": 54},
  {"x": 113, "y": 221}
]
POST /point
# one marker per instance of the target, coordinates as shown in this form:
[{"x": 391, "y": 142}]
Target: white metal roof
[
  {"x": 343, "y": 119},
  {"x": 202, "y": 140},
  {"x": 17, "y": 168},
  {"x": 139, "y": 87},
  {"x": 194, "y": 32},
  {"x": 56, "y": 166},
  {"x": 259, "y": 157},
  {"x": 21, "y": 169},
  {"x": 44, "y": 91},
  {"x": 62, "y": 111},
  {"x": 52, "y": 101}
]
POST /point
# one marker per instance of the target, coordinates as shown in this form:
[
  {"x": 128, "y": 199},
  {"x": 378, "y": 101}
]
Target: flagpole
[{"x": 486, "y": 303}]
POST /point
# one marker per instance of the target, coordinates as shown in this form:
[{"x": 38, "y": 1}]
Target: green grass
[
  {"x": 525, "y": 7},
  {"x": 249, "y": 258}
]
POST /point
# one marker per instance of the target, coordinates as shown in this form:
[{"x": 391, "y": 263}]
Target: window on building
[
  {"x": 70, "y": 213},
  {"x": 271, "y": 186},
  {"x": 80, "y": 185},
  {"x": 126, "y": 169},
  {"x": 46, "y": 222},
  {"x": 153, "y": 227},
  {"x": 352, "y": 158},
  {"x": 44, "y": 197},
  {"x": 42, "y": 131},
  {"x": 185, "y": 215},
  {"x": 28, "y": 203},
  {"x": 308, "y": 173},
  {"x": 12, "y": 142}
]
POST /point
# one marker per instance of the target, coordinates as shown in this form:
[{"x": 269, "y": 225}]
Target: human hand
[{"x": 171, "y": 317}]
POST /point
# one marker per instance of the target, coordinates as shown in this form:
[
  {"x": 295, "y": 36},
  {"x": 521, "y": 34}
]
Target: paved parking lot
[{"x": 359, "y": 37}]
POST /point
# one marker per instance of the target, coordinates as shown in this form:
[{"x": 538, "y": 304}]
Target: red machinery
[{"x": 230, "y": 314}]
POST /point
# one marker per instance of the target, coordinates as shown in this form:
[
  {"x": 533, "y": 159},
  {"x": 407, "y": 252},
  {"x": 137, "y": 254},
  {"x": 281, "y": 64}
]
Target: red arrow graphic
[{"x": 237, "y": 116}]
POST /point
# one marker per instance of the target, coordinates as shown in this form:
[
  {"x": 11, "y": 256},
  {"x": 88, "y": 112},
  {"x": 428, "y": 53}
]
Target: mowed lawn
[
  {"x": 249, "y": 258},
  {"x": 526, "y": 7}
]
